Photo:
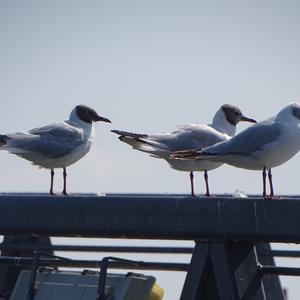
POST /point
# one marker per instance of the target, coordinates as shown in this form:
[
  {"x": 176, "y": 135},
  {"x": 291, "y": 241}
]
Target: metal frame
[
  {"x": 34, "y": 268},
  {"x": 113, "y": 249},
  {"x": 216, "y": 264},
  {"x": 228, "y": 257},
  {"x": 26, "y": 262},
  {"x": 104, "y": 265},
  {"x": 152, "y": 217}
]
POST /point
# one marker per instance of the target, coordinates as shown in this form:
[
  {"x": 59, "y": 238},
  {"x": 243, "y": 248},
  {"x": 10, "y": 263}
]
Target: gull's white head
[
  {"x": 227, "y": 117},
  {"x": 85, "y": 114},
  {"x": 290, "y": 113}
]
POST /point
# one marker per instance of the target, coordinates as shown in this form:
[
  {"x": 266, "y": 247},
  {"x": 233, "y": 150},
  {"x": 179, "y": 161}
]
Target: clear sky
[{"x": 148, "y": 66}]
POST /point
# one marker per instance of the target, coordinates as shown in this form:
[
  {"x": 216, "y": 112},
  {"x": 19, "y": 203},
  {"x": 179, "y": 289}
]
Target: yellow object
[{"x": 157, "y": 293}]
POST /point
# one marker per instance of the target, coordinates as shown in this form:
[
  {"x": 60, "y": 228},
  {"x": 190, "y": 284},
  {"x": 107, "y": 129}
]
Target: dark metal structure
[
  {"x": 152, "y": 217},
  {"x": 231, "y": 258}
]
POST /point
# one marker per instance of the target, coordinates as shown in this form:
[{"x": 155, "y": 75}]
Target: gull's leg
[
  {"x": 65, "y": 181},
  {"x": 51, "y": 184},
  {"x": 192, "y": 183},
  {"x": 271, "y": 183},
  {"x": 264, "y": 182},
  {"x": 206, "y": 183}
]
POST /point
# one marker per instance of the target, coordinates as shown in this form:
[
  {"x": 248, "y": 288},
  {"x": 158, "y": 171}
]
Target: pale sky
[{"x": 148, "y": 66}]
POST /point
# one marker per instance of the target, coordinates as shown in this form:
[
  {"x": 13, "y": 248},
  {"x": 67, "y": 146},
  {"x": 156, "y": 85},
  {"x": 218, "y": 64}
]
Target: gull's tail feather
[
  {"x": 192, "y": 154},
  {"x": 3, "y": 139},
  {"x": 133, "y": 139},
  {"x": 185, "y": 154},
  {"x": 129, "y": 134},
  {"x": 143, "y": 143}
]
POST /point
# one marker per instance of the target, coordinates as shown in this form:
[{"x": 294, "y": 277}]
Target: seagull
[
  {"x": 263, "y": 146},
  {"x": 192, "y": 136},
  {"x": 57, "y": 145}
]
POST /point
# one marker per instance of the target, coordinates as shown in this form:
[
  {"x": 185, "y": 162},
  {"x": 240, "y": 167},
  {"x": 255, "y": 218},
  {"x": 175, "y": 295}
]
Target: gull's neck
[
  {"x": 221, "y": 124},
  {"x": 74, "y": 120}
]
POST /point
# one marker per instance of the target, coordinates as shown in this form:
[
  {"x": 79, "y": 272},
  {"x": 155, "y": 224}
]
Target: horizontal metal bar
[
  {"x": 281, "y": 253},
  {"x": 152, "y": 217},
  {"x": 68, "y": 263},
  {"x": 284, "y": 271},
  {"x": 130, "y": 249},
  {"x": 114, "y": 249}
]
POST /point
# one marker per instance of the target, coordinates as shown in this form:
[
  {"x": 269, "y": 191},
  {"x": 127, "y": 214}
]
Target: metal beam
[
  {"x": 281, "y": 253},
  {"x": 88, "y": 248},
  {"x": 93, "y": 264},
  {"x": 195, "y": 275},
  {"x": 152, "y": 217},
  {"x": 224, "y": 273}
]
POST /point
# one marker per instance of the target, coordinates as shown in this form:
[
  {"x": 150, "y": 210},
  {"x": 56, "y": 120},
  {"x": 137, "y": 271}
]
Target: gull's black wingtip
[
  {"x": 129, "y": 134},
  {"x": 116, "y": 131}
]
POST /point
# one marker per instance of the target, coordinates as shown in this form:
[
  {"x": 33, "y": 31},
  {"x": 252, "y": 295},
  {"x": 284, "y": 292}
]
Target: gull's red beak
[{"x": 101, "y": 119}]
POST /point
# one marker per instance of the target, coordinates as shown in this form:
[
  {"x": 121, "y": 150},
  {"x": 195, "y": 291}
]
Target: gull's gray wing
[
  {"x": 54, "y": 140},
  {"x": 188, "y": 137},
  {"x": 252, "y": 139}
]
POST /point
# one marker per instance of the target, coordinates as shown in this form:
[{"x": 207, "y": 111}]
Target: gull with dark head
[
  {"x": 192, "y": 136},
  {"x": 57, "y": 145},
  {"x": 263, "y": 146}
]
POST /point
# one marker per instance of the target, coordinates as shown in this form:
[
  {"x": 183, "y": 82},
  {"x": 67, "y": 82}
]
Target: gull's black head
[
  {"x": 89, "y": 115},
  {"x": 234, "y": 115}
]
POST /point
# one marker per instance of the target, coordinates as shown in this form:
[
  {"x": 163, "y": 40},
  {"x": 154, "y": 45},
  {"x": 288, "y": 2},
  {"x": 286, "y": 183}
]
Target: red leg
[
  {"x": 264, "y": 182},
  {"x": 206, "y": 183},
  {"x": 271, "y": 184},
  {"x": 192, "y": 183},
  {"x": 51, "y": 184},
  {"x": 65, "y": 181}
]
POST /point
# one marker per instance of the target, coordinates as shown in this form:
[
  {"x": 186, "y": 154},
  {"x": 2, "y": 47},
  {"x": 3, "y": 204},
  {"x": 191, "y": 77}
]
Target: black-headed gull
[
  {"x": 191, "y": 136},
  {"x": 57, "y": 145},
  {"x": 263, "y": 146}
]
